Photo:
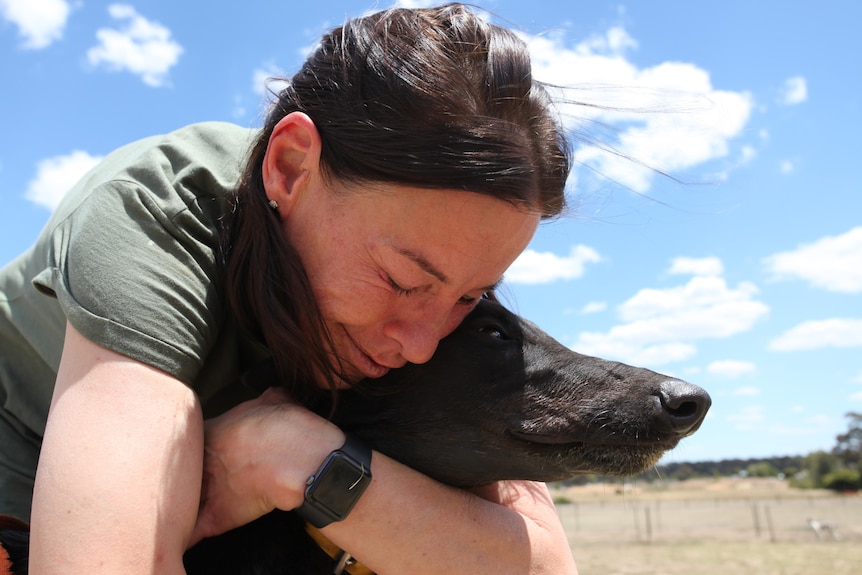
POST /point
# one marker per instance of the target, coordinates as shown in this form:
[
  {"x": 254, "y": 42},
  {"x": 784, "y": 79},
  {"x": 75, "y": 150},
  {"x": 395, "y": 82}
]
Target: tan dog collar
[{"x": 344, "y": 562}]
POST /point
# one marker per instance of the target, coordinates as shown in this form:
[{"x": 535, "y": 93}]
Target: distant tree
[
  {"x": 819, "y": 464},
  {"x": 684, "y": 472},
  {"x": 762, "y": 469},
  {"x": 843, "y": 480},
  {"x": 815, "y": 467},
  {"x": 848, "y": 445}
]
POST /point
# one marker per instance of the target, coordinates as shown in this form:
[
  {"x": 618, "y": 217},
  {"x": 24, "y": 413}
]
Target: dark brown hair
[{"x": 433, "y": 98}]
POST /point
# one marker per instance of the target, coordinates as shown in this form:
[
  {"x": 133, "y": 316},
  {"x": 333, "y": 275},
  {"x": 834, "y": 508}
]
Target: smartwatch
[{"x": 334, "y": 489}]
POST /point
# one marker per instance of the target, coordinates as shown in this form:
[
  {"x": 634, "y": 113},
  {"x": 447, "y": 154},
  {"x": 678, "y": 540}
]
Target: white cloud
[
  {"x": 858, "y": 378},
  {"x": 855, "y": 396},
  {"x": 534, "y": 267},
  {"x": 39, "y": 22},
  {"x": 594, "y": 307},
  {"x": 746, "y": 391},
  {"x": 55, "y": 176},
  {"x": 615, "y": 41},
  {"x": 268, "y": 79},
  {"x": 697, "y": 266},
  {"x": 660, "y": 325},
  {"x": 731, "y": 368},
  {"x": 748, "y": 155},
  {"x": 239, "y": 109},
  {"x": 833, "y": 263},
  {"x": 794, "y": 91},
  {"x": 705, "y": 305},
  {"x": 669, "y": 116},
  {"x": 816, "y": 334},
  {"x": 786, "y": 167},
  {"x": 140, "y": 46}
]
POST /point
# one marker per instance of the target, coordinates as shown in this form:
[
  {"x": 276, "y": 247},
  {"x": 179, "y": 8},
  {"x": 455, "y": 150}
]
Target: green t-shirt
[{"x": 129, "y": 259}]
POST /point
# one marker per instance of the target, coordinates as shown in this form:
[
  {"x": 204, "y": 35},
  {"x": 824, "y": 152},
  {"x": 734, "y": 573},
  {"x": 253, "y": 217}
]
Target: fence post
[
  {"x": 769, "y": 526},
  {"x": 756, "y": 519}
]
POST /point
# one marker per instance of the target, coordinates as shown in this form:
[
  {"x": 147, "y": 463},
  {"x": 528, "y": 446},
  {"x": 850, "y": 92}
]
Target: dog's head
[{"x": 501, "y": 399}]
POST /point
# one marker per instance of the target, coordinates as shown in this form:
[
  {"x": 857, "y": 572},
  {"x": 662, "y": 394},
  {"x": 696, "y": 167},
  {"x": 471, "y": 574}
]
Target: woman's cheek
[
  {"x": 459, "y": 312},
  {"x": 366, "y": 307}
]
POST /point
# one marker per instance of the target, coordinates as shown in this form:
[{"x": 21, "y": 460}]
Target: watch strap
[
  {"x": 358, "y": 450},
  {"x": 360, "y": 454}
]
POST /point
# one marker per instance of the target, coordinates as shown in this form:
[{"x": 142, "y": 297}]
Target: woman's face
[{"x": 395, "y": 269}]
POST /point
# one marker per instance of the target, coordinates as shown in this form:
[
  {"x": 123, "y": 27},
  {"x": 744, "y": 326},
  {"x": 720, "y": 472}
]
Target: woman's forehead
[{"x": 450, "y": 233}]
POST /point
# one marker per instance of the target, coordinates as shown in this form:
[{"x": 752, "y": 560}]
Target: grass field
[{"x": 710, "y": 527}]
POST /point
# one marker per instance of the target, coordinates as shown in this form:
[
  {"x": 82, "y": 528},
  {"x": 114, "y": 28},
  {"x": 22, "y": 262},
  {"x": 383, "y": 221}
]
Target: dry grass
[{"x": 711, "y": 528}]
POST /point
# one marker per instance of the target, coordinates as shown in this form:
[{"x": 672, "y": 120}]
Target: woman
[{"x": 398, "y": 175}]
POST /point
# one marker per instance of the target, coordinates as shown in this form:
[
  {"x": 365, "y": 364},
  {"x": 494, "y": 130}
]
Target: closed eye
[
  {"x": 464, "y": 300},
  {"x": 397, "y": 288}
]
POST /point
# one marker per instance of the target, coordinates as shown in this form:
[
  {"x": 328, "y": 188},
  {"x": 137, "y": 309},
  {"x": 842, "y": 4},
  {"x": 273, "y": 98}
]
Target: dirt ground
[{"x": 711, "y": 527}]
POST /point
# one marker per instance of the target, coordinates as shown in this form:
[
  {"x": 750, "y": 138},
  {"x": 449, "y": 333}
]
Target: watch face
[{"x": 342, "y": 482}]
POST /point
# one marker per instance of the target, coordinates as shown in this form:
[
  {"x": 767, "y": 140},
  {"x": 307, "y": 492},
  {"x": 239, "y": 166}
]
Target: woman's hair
[{"x": 430, "y": 98}]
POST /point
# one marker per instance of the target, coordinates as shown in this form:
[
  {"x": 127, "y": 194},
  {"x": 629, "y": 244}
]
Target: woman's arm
[
  {"x": 404, "y": 523},
  {"x": 407, "y": 523},
  {"x": 118, "y": 483}
]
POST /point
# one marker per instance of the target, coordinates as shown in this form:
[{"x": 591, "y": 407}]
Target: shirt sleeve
[{"x": 135, "y": 271}]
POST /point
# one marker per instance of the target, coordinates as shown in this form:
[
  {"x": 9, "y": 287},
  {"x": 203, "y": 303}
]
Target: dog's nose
[{"x": 683, "y": 405}]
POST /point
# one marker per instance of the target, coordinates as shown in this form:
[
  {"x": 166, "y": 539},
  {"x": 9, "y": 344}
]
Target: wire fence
[{"x": 768, "y": 520}]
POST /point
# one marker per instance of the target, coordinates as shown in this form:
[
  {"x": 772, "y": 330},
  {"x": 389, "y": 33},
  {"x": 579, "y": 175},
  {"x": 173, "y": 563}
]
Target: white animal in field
[{"x": 823, "y": 529}]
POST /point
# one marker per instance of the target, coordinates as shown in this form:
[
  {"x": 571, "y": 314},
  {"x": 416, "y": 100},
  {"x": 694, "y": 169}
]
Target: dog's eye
[{"x": 493, "y": 331}]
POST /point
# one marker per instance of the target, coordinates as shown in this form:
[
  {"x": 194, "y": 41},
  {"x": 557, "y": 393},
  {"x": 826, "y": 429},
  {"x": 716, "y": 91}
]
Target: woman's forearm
[
  {"x": 404, "y": 523},
  {"x": 407, "y": 523}
]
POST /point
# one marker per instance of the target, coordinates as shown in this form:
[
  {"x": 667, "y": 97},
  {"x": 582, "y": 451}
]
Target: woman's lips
[{"x": 362, "y": 361}]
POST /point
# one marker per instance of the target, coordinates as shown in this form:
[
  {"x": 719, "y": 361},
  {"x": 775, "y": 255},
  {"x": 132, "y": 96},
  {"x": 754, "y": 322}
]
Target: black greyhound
[{"x": 501, "y": 399}]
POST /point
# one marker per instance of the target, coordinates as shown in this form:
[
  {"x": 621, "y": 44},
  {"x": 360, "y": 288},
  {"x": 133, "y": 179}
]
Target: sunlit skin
[
  {"x": 394, "y": 268},
  {"x": 395, "y": 271}
]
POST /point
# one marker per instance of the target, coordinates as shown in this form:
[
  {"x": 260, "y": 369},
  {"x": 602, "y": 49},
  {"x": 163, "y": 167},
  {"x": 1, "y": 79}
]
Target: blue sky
[{"x": 740, "y": 270}]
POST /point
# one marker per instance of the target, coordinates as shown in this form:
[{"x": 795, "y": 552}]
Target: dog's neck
[{"x": 342, "y": 560}]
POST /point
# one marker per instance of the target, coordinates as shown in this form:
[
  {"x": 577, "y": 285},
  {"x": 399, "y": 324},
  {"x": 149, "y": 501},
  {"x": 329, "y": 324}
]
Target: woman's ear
[{"x": 291, "y": 160}]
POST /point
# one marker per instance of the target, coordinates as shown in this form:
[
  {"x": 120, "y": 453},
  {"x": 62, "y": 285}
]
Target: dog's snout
[{"x": 683, "y": 405}]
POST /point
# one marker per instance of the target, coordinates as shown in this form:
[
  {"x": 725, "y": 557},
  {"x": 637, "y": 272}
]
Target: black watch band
[{"x": 334, "y": 489}]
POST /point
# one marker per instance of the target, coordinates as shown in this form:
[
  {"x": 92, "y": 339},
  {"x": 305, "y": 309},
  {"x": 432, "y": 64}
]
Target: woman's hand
[{"x": 257, "y": 458}]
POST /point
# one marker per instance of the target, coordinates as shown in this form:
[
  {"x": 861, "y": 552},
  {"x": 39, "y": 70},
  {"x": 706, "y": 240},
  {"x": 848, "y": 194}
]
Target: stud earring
[{"x": 273, "y": 204}]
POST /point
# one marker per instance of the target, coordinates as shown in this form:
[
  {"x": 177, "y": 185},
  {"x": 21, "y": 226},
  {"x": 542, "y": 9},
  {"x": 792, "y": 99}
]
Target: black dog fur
[{"x": 501, "y": 399}]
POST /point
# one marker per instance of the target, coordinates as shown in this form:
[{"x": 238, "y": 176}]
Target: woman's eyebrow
[
  {"x": 423, "y": 263},
  {"x": 430, "y": 269}
]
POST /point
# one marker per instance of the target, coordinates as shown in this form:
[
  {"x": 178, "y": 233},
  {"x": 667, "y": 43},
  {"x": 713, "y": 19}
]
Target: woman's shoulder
[
  {"x": 216, "y": 147},
  {"x": 206, "y": 158},
  {"x": 212, "y": 137},
  {"x": 175, "y": 169}
]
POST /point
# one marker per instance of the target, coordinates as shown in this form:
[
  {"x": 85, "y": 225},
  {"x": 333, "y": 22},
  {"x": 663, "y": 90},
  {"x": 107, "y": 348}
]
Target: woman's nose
[
  {"x": 419, "y": 331},
  {"x": 418, "y": 343}
]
